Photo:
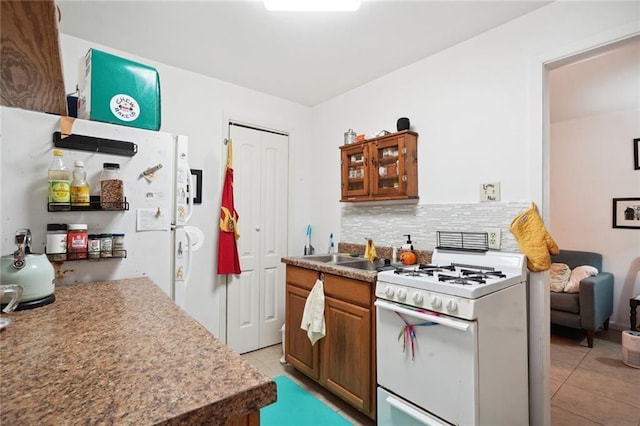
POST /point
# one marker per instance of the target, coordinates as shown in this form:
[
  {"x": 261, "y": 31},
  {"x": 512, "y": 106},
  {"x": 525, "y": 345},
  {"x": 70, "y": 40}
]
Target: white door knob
[{"x": 257, "y": 228}]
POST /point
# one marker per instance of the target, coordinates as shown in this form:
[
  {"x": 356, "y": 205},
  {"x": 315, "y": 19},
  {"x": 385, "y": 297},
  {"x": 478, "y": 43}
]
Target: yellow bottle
[{"x": 79, "y": 186}]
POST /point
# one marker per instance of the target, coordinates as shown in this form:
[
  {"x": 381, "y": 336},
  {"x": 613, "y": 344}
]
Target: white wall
[
  {"x": 591, "y": 163},
  {"x": 196, "y": 106},
  {"x": 472, "y": 106}
]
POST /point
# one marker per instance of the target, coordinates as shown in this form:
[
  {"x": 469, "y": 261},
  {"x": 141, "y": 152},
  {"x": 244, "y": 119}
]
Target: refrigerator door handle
[
  {"x": 189, "y": 259},
  {"x": 189, "y": 194}
]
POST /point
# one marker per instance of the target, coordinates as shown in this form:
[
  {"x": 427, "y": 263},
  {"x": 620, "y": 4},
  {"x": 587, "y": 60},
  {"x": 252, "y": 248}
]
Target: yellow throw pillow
[
  {"x": 578, "y": 274},
  {"x": 560, "y": 273}
]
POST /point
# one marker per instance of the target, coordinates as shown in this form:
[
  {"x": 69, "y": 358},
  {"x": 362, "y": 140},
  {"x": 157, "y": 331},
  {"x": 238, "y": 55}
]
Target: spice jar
[
  {"x": 94, "y": 246},
  {"x": 56, "y": 247},
  {"x": 106, "y": 245},
  {"x": 118, "y": 245},
  {"x": 111, "y": 187},
  {"x": 77, "y": 239}
]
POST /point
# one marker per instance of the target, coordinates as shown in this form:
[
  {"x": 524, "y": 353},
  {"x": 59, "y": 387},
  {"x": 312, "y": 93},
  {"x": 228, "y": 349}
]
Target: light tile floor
[{"x": 589, "y": 386}]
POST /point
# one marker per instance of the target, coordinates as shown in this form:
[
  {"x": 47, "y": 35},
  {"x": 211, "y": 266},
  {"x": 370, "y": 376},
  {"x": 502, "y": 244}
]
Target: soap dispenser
[{"x": 408, "y": 245}]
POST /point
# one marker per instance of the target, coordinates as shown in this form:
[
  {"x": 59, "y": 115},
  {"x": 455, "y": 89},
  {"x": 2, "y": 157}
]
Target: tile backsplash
[{"x": 387, "y": 224}]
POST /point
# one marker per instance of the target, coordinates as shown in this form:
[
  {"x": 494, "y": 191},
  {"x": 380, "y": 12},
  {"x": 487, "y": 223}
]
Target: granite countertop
[
  {"x": 121, "y": 352},
  {"x": 349, "y": 249},
  {"x": 343, "y": 271}
]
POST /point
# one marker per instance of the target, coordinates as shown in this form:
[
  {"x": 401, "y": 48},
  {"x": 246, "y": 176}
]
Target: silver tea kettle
[{"x": 31, "y": 271}]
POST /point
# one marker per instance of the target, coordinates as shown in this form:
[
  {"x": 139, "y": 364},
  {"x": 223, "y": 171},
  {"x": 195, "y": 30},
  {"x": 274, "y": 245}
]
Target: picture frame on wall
[
  {"x": 626, "y": 213},
  {"x": 636, "y": 153}
]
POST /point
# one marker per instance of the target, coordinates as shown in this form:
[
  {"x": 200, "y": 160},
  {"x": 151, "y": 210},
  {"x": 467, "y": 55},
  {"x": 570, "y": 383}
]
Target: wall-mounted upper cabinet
[
  {"x": 382, "y": 168},
  {"x": 30, "y": 57}
]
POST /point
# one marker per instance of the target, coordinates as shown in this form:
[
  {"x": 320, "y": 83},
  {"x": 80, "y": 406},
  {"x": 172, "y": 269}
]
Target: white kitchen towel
[{"x": 313, "y": 314}]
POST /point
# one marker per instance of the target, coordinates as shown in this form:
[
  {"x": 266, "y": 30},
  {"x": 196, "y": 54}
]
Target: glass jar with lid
[
  {"x": 111, "y": 187},
  {"x": 106, "y": 245},
  {"x": 118, "y": 245}
]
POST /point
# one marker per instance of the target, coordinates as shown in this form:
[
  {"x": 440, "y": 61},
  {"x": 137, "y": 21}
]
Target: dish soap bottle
[
  {"x": 79, "y": 185},
  {"x": 408, "y": 245},
  {"x": 59, "y": 184},
  {"x": 332, "y": 248}
]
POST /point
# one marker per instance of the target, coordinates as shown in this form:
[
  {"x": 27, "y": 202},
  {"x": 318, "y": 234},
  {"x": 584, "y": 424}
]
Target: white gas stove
[
  {"x": 452, "y": 281},
  {"x": 451, "y": 341}
]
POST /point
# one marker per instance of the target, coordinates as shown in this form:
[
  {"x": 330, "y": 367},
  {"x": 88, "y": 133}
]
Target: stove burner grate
[
  {"x": 467, "y": 280},
  {"x": 482, "y": 273}
]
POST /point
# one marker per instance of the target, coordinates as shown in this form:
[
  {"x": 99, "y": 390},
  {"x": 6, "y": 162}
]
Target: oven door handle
[
  {"x": 412, "y": 412},
  {"x": 446, "y": 321}
]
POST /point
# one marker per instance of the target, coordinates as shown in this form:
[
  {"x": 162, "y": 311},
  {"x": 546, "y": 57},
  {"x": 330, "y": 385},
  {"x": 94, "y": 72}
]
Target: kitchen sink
[
  {"x": 360, "y": 264},
  {"x": 329, "y": 258}
]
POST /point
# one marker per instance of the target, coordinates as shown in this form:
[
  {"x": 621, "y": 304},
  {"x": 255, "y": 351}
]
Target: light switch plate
[
  {"x": 494, "y": 238},
  {"x": 490, "y": 191}
]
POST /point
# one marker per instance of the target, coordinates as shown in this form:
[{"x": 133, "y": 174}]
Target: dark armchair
[{"x": 591, "y": 307}]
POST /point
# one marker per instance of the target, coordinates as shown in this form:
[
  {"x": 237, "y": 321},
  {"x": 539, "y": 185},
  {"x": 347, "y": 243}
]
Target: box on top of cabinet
[{"x": 117, "y": 90}]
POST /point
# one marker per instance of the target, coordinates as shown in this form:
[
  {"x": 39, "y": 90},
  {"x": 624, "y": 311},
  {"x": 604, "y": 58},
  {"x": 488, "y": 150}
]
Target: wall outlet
[
  {"x": 490, "y": 191},
  {"x": 494, "y": 238}
]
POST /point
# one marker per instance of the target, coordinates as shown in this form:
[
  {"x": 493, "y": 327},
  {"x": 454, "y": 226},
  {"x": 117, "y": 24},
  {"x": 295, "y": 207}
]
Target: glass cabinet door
[
  {"x": 388, "y": 171},
  {"x": 355, "y": 173}
]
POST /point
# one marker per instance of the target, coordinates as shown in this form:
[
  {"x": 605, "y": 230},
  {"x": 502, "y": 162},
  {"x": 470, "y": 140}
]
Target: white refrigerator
[{"x": 159, "y": 242}]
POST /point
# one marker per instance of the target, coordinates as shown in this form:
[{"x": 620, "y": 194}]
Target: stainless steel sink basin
[
  {"x": 360, "y": 264},
  {"x": 329, "y": 258}
]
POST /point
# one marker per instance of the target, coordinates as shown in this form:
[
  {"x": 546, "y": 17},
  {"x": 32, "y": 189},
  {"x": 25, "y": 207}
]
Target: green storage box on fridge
[{"x": 116, "y": 90}]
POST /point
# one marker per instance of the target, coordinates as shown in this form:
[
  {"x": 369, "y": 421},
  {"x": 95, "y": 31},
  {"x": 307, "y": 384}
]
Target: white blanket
[{"x": 313, "y": 314}]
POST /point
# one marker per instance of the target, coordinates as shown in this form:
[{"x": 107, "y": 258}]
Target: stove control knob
[
  {"x": 436, "y": 302},
  {"x": 452, "y": 306},
  {"x": 417, "y": 298},
  {"x": 389, "y": 291},
  {"x": 402, "y": 294}
]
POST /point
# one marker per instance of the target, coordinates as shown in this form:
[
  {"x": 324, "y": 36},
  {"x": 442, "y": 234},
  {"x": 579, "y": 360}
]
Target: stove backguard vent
[{"x": 462, "y": 241}]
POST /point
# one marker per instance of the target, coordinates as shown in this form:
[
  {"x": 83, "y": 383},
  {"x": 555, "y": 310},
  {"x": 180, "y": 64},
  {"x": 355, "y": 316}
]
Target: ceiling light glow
[{"x": 312, "y": 5}]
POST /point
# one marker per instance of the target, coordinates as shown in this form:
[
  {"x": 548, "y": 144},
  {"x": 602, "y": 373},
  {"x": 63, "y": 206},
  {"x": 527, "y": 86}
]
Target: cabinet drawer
[
  {"x": 302, "y": 277},
  {"x": 348, "y": 290}
]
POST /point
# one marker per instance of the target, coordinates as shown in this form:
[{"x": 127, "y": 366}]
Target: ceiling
[{"x": 306, "y": 58}]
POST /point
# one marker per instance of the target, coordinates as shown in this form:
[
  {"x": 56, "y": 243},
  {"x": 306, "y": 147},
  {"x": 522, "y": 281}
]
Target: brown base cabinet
[{"x": 344, "y": 360}]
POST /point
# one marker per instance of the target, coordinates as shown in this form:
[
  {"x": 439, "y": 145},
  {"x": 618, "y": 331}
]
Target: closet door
[{"x": 255, "y": 298}]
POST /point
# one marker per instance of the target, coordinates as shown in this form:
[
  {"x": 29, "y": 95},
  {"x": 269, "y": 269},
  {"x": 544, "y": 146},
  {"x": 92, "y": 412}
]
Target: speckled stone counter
[
  {"x": 121, "y": 352},
  {"x": 356, "y": 274}
]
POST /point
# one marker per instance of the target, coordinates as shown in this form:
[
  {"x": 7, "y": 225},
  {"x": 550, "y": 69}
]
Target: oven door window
[{"x": 439, "y": 372}]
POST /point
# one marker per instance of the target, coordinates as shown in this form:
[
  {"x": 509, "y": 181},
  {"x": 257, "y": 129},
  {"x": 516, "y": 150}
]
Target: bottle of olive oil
[{"x": 59, "y": 183}]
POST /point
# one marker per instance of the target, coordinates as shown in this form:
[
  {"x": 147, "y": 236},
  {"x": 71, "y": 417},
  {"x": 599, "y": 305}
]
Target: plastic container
[
  {"x": 59, "y": 183},
  {"x": 94, "y": 246},
  {"x": 79, "y": 186},
  {"x": 56, "y": 247},
  {"x": 77, "y": 241},
  {"x": 106, "y": 245},
  {"x": 111, "y": 187}
]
